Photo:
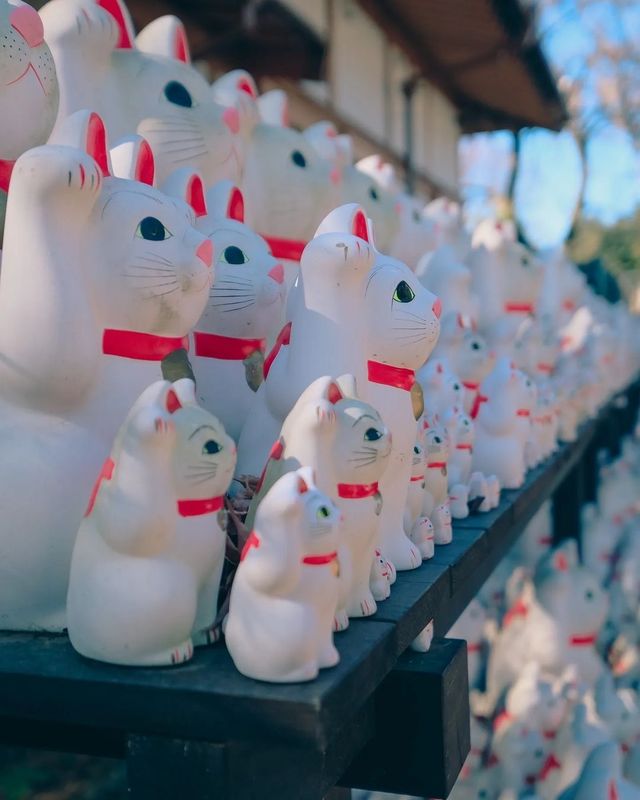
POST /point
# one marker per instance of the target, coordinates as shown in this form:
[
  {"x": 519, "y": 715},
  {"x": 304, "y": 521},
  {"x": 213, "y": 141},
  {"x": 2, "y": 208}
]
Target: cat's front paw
[{"x": 83, "y": 26}]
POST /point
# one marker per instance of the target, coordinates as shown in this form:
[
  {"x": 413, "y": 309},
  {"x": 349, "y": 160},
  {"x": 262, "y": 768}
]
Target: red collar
[
  {"x": 291, "y": 249},
  {"x": 544, "y": 367},
  {"x": 502, "y": 718},
  {"x": 437, "y": 465},
  {"x": 518, "y": 609},
  {"x": 472, "y": 385},
  {"x": 227, "y": 348},
  {"x": 320, "y": 559},
  {"x": 523, "y": 412},
  {"x": 582, "y": 641},
  {"x": 196, "y": 508},
  {"x": 253, "y": 540},
  {"x": 518, "y": 308},
  {"x": 6, "y": 168},
  {"x": 478, "y": 401},
  {"x": 550, "y": 764},
  {"x": 284, "y": 338},
  {"x": 141, "y": 346},
  {"x": 549, "y": 734},
  {"x": 354, "y": 491},
  {"x": 464, "y": 446},
  {"x": 415, "y": 478},
  {"x": 474, "y": 647},
  {"x": 400, "y": 377}
]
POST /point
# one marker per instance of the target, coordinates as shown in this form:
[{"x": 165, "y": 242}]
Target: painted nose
[
  {"x": 437, "y": 308},
  {"x": 231, "y": 119},
  {"x": 277, "y": 273},
  {"x": 27, "y": 22},
  {"x": 205, "y": 252}
]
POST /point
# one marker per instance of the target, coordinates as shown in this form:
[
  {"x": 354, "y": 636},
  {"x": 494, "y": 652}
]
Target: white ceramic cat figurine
[
  {"x": 325, "y": 335},
  {"x": 499, "y": 446},
  {"x": 602, "y": 776},
  {"x": 558, "y": 628},
  {"x": 347, "y": 444},
  {"x": 450, "y": 230},
  {"x": 145, "y": 85},
  {"x": 418, "y": 527},
  {"x": 285, "y": 591},
  {"x": 289, "y": 188},
  {"x": 147, "y": 562},
  {"x": 402, "y": 327},
  {"x": 436, "y": 492},
  {"x": 29, "y": 84},
  {"x": 243, "y": 313},
  {"x": 444, "y": 273},
  {"x": 117, "y": 277}
]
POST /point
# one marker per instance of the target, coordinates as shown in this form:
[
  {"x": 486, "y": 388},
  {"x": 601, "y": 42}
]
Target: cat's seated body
[
  {"x": 117, "y": 277},
  {"x": 285, "y": 592},
  {"x": 147, "y": 562}
]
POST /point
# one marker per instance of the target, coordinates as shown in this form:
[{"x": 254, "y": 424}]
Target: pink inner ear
[
  {"x": 439, "y": 368},
  {"x": 145, "y": 166},
  {"x": 302, "y": 486},
  {"x": 285, "y": 115},
  {"x": 181, "y": 46},
  {"x": 97, "y": 143},
  {"x": 359, "y": 226},
  {"x": 560, "y": 562},
  {"x": 245, "y": 86},
  {"x": 195, "y": 196},
  {"x": 115, "y": 9},
  {"x": 173, "y": 404},
  {"x": 235, "y": 206},
  {"x": 334, "y": 395}
]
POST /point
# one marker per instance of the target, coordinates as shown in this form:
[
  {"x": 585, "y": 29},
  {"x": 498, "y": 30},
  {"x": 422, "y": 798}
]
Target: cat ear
[
  {"x": 184, "y": 391},
  {"x": 132, "y": 158},
  {"x": 85, "y": 130},
  {"x": 333, "y": 393},
  {"x": 347, "y": 384},
  {"x": 237, "y": 90},
  {"x": 187, "y": 185},
  {"x": 125, "y": 25},
  {"x": 274, "y": 108},
  {"x": 302, "y": 485},
  {"x": 225, "y": 199},
  {"x": 172, "y": 402},
  {"x": 346, "y": 218},
  {"x": 306, "y": 479},
  {"x": 165, "y": 36}
]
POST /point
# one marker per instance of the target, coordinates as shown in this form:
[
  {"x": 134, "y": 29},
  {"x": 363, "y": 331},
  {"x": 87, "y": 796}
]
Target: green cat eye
[
  {"x": 323, "y": 512},
  {"x": 151, "y": 229},
  {"x": 403, "y": 293},
  {"x": 211, "y": 447},
  {"x": 234, "y": 255},
  {"x": 372, "y": 435}
]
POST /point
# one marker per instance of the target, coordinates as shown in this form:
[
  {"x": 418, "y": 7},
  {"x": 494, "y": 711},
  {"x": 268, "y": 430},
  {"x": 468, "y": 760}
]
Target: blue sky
[{"x": 551, "y": 171}]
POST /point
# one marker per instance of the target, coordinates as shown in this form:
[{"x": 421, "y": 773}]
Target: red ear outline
[
  {"x": 334, "y": 395},
  {"x": 359, "y": 226},
  {"x": 245, "y": 86},
  {"x": 195, "y": 196},
  {"x": 173, "y": 403},
  {"x": 114, "y": 8},
  {"x": 439, "y": 368},
  {"x": 235, "y": 206},
  {"x": 302, "y": 486},
  {"x": 96, "y": 145},
  {"x": 560, "y": 562},
  {"x": 181, "y": 46},
  {"x": 145, "y": 164}
]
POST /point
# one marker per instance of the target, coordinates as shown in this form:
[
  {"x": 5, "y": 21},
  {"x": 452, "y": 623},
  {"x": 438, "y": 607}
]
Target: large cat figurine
[
  {"x": 145, "y": 85},
  {"x": 325, "y": 333},
  {"x": 117, "y": 277},
  {"x": 244, "y": 310},
  {"x": 285, "y": 592},
  {"x": 147, "y": 562},
  {"x": 402, "y": 327},
  {"x": 347, "y": 444},
  {"x": 29, "y": 88},
  {"x": 289, "y": 188}
]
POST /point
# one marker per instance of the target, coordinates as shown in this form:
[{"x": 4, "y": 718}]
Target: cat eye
[
  {"x": 373, "y": 194},
  {"x": 323, "y": 512},
  {"x": 437, "y": 440},
  {"x": 372, "y": 435},
  {"x": 456, "y": 387},
  {"x": 403, "y": 293},
  {"x": 524, "y": 261},
  {"x": 588, "y": 594},
  {"x": 415, "y": 216},
  {"x": 298, "y": 159},
  {"x": 210, "y": 448},
  {"x": 475, "y": 346},
  {"x": 152, "y": 230},
  {"x": 416, "y": 450},
  {"x": 178, "y": 94},
  {"x": 234, "y": 255}
]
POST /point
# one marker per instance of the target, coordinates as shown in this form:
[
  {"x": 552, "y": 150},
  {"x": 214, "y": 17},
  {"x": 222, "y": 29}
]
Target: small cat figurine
[
  {"x": 142, "y": 85},
  {"x": 244, "y": 310},
  {"x": 117, "y": 277},
  {"x": 285, "y": 592},
  {"x": 347, "y": 444},
  {"x": 147, "y": 562},
  {"x": 435, "y": 503},
  {"x": 29, "y": 83}
]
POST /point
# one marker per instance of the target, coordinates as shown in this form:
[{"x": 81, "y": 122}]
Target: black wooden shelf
[{"x": 206, "y": 727}]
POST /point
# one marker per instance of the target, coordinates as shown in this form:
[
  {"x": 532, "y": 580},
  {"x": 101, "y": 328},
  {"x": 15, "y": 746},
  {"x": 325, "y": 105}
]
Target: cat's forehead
[
  {"x": 145, "y": 69},
  {"x": 355, "y": 410},
  {"x": 120, "y": 195}
]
